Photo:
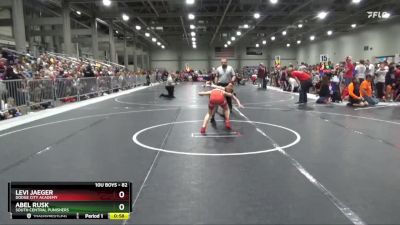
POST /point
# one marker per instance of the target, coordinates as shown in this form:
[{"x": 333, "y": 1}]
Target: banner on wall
[
  {"x": 323, "y": 58},
  {"x": 253, "y": 51},
  {"x": 388, "y": 58},
  {"x": 221, "y": 52}
]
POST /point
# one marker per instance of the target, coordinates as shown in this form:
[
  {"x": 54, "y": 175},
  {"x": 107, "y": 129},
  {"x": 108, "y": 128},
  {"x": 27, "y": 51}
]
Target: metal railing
[{"x": 37, "y": 93}]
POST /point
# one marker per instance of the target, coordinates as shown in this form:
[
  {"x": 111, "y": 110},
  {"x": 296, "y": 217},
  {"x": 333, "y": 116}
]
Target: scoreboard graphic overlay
[{"x": 70, "y": 200}]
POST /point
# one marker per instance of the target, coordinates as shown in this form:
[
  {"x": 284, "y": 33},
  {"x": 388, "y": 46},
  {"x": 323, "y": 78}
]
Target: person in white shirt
[
  {"x": 370, "y": 68},
  {"x": 380, "y": 80},
  {"x": 225, "y": 75},
  {"x": 360, "y": 71},
  {"x": 303, "y": 67},
  {"x": 293, "y": 84}
]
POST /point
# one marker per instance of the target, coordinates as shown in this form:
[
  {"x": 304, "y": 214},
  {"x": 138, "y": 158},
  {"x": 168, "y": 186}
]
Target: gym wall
[{"x": 382, "y": 38}]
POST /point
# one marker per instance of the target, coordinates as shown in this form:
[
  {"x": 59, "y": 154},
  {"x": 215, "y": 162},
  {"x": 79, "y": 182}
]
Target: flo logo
[{"x": 378, "y": 14}]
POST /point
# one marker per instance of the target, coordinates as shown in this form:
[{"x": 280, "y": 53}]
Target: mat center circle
[{"x": 142, "y": 132}]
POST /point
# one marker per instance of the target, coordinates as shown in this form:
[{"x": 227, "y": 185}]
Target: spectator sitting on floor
[
  {"x": 335, "y": 89},
  {"x": 324, "y": 92},
  {"x": 355, "y": 98},
  {"x": 366, "y": 91}
]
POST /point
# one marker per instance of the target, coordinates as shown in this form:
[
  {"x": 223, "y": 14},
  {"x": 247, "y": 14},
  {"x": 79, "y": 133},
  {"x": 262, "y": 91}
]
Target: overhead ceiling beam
[
  {"x": 153, "y": 8},
  {"x": 44, "y": 21},
  {"x": 344, "y": 18},
  {"x": 128, "y": 27},
  {"x": 113, "y": 14},
  {"x": 35, "y": 4},
  {"x": 291, "y": 13},
  {"x": 184, "y": 30},
  {"x": 165, "y": 6},
  {"x": 145, "y": 25},
  {"x": 220, "y": 22}
]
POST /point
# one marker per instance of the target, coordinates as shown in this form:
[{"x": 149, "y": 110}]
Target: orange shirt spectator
[
  {"x": 366, "y": 89},
  {"x": 351, "y": 91}
]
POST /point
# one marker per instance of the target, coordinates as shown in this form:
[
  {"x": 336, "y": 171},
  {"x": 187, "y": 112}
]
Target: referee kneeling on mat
[{"x": 224, "y": 75}]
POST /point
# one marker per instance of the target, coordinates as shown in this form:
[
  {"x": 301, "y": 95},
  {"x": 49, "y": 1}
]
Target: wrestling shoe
[
  {"x": 228, "y": 125},
  {"x": 203, "y": 130}
]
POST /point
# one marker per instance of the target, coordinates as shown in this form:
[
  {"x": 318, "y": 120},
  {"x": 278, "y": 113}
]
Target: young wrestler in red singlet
[{"x": 217, "y": 97}]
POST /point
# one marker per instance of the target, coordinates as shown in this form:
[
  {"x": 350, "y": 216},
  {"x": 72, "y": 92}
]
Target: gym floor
[{"x": 282, "y": 163}]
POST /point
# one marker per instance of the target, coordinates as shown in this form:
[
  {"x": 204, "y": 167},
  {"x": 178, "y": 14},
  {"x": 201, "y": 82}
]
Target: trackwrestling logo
[{"x": 378, "y": 14}]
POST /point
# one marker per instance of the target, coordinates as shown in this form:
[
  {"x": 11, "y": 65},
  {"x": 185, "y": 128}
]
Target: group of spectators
[
  {"x": 15, "y": 68},
  {"x": 362, "y": 83}
]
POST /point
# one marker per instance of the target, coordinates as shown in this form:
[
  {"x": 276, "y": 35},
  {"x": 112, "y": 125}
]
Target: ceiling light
[
  {"x": 298, "y": 42},
  {"x": 194, "y": 46},
  {"x": 191, "y": 16},
  {"x": 322, "y": 15},
  {"x": 193, "y": 39},
  {"x": 256, "y": 15},
  {"x": 225, "y": 45},
  {"x": 312, "y": 37},
  {"x": 158, "y": 43},
  {"x": 385, "y": 15},
  {"x": 190, "y": 2},
  {"x": 284, "y": 32},
  {"x": 273, "y": 1},
  {"x": 193, "y": 34},
  {"x": 233, "y": 38},
  {"x": 354, "y": 25},
  {"x": 356, "y": 1},
  {"x": 257, "y": 45},
  {"x": 106, "y": 2},
  {"x": 116, "y": 31},
  {"x": 264, "y": 42},
  {"x": 125, "y": 17},
  {"x": 138, "y": 27},
  {"x": 300, "y": 25},
  {"x": 229, "y": 42},
  {"x": 246, "y": 26},
  {"x": 147, "y": 34},
  {"x": 329, "y": 32},
  {"x": 238, "y": 33},
  {"x": 162, "y": 46},
  {"x": 273, "y": 38},
  {"x": 154, "y": 39},
  {"x": 78, "y": 12},
  {"x": 192, "y": 27},
  {"x": 288, "y": 45}
]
